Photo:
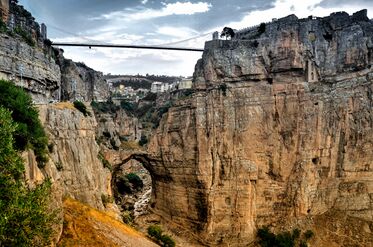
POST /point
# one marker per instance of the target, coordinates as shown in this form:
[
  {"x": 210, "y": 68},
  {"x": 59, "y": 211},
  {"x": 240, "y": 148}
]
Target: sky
[{"x": 150, "y": 22}]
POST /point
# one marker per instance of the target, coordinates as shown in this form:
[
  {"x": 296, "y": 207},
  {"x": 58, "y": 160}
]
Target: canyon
[{"x": 277, "y": 131}]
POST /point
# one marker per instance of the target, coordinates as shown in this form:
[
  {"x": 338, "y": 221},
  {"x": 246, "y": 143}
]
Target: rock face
[
  {"x": 4, "y": 10},
  {"x": 77, "y": 169},
  {"x": 30, "y": 68},
  {"x": 74, "y": 166},
  {"x": 80, "y": 82},
  {"x": 279, "y": 133}
]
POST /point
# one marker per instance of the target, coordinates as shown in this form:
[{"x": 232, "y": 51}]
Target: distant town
[{"x": 134, "y": 88}]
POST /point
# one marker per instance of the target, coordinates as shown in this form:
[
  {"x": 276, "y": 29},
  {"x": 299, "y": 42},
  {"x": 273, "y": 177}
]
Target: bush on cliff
[
  {"x": 29, "y": 132},
  {"x": 82, "y": 108},
  {"x": 25, "y": 219},
  {"x": 282, "y": 239}
]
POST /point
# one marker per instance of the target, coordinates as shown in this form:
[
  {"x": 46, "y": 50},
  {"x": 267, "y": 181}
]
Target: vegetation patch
[
  {"x": 26, "y": 219},
  {"x": 106, "y": 199},
  {"x": 262, "y": 28},
  {"x": 155, "y": 232},
  {"x": 29, "y": 132},
  {"x": 82, "y": 108},
  {"x": 129, "y": 183},
  {"x": 3, "y": 27},
  {"x": 283, "y": 239},
  {"x": 25, "y": 36},
  {"x": 105, "y": 162}
]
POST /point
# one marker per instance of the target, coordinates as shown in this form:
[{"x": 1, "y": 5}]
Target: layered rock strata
[
  {"x": 74, "y": 165},
  {"x": 29, "y": 67},
  {"x": 79, "y": 82},
  {"x": 279, "y": 133}
]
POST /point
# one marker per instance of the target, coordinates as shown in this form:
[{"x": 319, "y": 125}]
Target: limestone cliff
[
  {"x": 74, "y": 166},
  {"x": 29, "y": 67},
  {"x": 79, "y": 82},
  {"x": 279, "y": 133}
]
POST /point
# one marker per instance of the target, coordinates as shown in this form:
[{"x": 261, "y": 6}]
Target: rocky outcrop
[
  {"x": 4, "y": 10},
  {"x": 74, "y": 166},
  {"x": 80, "y": 174},
  {"x": 279, "y": 133},
  {"x": 31, "y": 68},
  {"x": 80, "y": 82}
]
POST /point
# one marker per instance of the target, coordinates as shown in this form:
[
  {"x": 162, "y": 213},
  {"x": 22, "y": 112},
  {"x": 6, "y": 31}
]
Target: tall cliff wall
[
  {"x": 79, "y": 82},
  {"x": 74, "y": 165},
  {"x": 279, "y": 133},
  {"x": 29, "y": 67}
]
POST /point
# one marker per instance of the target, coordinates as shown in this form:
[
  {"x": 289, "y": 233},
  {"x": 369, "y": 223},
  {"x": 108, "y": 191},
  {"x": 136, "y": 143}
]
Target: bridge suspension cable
[
  {"x": 128, "y": 46},
  {"x": 96, "y": 43}
]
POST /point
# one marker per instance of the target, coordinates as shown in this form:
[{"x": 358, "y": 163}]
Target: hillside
[{"x": 86, "y": 226}]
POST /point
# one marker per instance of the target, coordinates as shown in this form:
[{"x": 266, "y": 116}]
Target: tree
[
  {"x": 262, "y": 28},
  {"x": 29, "y": 132},
  {"x": 24, "y": 219},
  {"x": 227, "y": 33}
]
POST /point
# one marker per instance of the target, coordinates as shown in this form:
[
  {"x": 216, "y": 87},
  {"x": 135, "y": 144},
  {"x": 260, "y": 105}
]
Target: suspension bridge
[
  {"x": 94, "y": 43},
  {"x": 128, "y": 46}
]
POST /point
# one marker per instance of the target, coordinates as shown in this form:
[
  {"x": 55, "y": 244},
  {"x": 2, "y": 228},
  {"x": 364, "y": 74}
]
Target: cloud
[
  {"x": 340, "y": 3},
  {"x": 178, "y": 32},
  {"x": 144, "y": 2},
  {"x": 136, "y": 14}
]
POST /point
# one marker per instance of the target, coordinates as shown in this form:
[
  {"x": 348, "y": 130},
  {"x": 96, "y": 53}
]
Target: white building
[
  {"x": 185, "y": 83},
  {"x": 159, "y": 87}
]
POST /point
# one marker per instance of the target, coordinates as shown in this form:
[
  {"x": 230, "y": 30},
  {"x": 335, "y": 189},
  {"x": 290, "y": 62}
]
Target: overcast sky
[{"x": 148, "y": 22}]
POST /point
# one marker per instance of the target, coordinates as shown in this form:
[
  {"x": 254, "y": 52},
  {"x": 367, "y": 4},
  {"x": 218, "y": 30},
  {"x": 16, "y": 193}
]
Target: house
[{"x": 185, "y": 83}]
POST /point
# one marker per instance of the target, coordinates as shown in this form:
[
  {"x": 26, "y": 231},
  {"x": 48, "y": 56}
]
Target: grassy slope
[{"x": 85, "y": 226}]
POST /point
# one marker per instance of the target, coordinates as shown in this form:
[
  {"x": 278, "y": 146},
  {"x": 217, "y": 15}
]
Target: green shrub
[
  {"x": 3, "y": 27},
  {"x": 26, "y": 219},
  {"x": 127, "y": 217},
  {"x": 104, "y": 161},
  {"x": 262, "y": 28},
  {"x": 167, "y": 241},
  {"x": 267, "y": 238},
  {"x": 106, "y": 199},
  {"x": 135, "y": 180},
  {"x": 123, "y": 185},
  {"x": 155, "y": 231},
  {"x": 129, "y": 107},
  {"x": 29, "y": 131},
  {"x": 105, "y": 107},
  {"x": 82, "y": 108},
  {"x": 127, "y": 184},
  {"x": 283, "y": 239}
]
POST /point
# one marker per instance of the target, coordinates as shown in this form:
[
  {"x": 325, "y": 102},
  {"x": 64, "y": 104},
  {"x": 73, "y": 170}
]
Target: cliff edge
[{"x": 279, "y": 133}]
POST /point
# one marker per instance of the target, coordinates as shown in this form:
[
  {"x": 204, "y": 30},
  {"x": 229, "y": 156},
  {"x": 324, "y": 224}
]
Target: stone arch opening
[{"x": 132, "y": 185}]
